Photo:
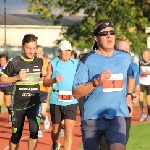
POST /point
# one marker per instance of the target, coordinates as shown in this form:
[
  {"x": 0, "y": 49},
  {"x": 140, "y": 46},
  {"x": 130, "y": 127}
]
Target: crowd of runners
[{"x": 105, "y": 83}]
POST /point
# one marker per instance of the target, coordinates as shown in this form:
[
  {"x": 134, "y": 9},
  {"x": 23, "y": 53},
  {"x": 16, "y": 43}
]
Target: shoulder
[
  {"x": 14, "y": 60},
  {"x": 87, "y": 55},
  {"x": 54, "y": 59},
  {"x": 75, "y": 61},
  {"x": 122, "y": 52}
]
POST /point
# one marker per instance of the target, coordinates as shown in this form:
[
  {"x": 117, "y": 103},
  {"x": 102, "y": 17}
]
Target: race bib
[
  {"x": 143, "y": 75},
  {"x": 115, "y": 83},
  {"x": 65, "y": 96},
  {"x": 39, "y": 111}
]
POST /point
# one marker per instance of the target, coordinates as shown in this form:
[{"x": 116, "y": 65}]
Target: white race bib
[
  {"x": 65, "y": 96},
  {"x": 115, "y": 83}
]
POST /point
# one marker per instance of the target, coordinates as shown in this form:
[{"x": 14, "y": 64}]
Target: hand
[
  {"x": 147, "y": 71},
  {"x": 104, "y": 76},
  {"x": 44, "y": 72},
  {"x": 135, "y": 98},
  {"x": 129, "y": 104},
  {"x": 22, "y": 74},
  {"x": 59, "y": 78}
]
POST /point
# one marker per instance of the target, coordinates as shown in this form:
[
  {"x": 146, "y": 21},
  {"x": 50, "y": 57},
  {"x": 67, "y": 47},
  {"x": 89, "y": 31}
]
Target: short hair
[
  {"x": 29, "y": 38},
  {"x": 74, "y": 54},
  {"x": 118, "y": 41},
  {"x": 39, "y": 46},
  {"x": 4, "y": 56}
]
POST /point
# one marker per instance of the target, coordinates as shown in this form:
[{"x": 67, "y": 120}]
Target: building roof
[{"x": 24, "y": 19}]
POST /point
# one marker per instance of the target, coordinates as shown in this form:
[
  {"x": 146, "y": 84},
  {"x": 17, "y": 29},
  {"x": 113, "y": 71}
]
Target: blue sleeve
[
  {"x": 81, "y": 76},
  {"x": 132, "y": 71}
]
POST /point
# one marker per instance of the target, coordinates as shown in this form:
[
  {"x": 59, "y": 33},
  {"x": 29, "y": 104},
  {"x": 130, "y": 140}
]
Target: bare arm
[
  {"x": 130, "y": 89},
  {"x": 137, "y": 89},
  {"x": 130, "y": 85},
  {"x": 85, "y": 89},
  {"x": 47, "y": 82},
  {"x": 8, "y": 80}
]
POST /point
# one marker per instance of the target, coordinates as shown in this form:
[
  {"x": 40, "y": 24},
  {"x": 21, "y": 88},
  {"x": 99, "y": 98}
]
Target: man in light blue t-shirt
[
  {"x": 102, "y": 78},
  {"x": 63, "y": 106}
]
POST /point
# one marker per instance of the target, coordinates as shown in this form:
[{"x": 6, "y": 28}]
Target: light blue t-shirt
[
  {"x": 99, "y": 104},
  {"x": 68, "y": 70}
]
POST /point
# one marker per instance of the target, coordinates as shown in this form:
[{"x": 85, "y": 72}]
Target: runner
[
  {"x": 63, "y": 106},
  {"x": 101, "y": 77},
  {"x": 24, "y": 72},
  {"x": 145, "y": 84},
  {"x": 5, "y": 89},
  {"x": 43, "y": 91},
  {"x": 61, "y": 132}
]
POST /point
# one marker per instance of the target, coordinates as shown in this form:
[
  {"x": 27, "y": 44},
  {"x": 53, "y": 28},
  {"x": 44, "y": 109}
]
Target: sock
[
  {"x": 141, "y": 106},
  {"x": 148, "y": 107},
  {"x": 0, "y": 109},
  {"x": 9, "y": 110}
]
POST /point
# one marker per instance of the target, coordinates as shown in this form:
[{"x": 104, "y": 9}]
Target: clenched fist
[
  {"x": 44, "y": 72},
  {"x": 22, "y": 74}
]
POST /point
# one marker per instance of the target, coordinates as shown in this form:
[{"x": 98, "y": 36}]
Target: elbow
[
  {"x": 75, "y": 94},
  {"x": 45, "y": 84},
  {"x": 2, "y": 81}
]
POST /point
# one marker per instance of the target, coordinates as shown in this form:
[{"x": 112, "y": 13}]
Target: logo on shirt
[{"x": 36, "y": 69}]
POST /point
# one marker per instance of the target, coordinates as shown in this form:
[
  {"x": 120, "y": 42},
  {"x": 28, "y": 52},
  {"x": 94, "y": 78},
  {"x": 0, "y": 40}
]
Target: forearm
[
  {"x": 7, "y": 80},
  {"x": 137, "y": 89},
  {"x": 49, "y": 82},
  {"x": 130, "y": 85},
  {"x": 83, "y": 90}
]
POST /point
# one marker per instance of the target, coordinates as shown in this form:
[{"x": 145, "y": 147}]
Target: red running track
[{"x": 45, "y": 142}]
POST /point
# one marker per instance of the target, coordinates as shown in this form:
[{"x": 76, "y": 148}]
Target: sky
[
  {"x": 17, "y": 7},
  {"x": 14, "y": 7}
]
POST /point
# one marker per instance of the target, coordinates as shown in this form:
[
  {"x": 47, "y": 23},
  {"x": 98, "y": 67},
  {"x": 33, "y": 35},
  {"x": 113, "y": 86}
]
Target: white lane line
[{"x": 7, "y": 147}]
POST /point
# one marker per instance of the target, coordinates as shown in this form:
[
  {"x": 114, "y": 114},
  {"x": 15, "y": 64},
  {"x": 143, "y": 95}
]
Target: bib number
[
  {"x": 65, "y": 96},
  {"x": 143, "y": 75},
  {"x": 39, "y": 111},
  {"x": 115, "y": 83}
]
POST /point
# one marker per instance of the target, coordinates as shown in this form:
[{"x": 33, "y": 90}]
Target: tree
[{"x": 130, "y": 17}]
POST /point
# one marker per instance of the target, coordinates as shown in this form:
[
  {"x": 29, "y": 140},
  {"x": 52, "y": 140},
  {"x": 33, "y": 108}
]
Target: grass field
[{"x": 139, "y": 137}]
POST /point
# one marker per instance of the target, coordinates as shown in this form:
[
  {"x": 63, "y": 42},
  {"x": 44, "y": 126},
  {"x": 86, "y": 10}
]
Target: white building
[
  {"x": 147, "y": 30},
  {"x": 18, "y": 25}
]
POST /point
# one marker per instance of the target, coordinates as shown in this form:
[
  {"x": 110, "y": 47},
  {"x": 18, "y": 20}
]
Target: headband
[{"x": 101, "y": 27}]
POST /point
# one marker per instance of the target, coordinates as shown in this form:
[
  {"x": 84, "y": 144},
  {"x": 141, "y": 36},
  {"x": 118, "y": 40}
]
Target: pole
[{"x": 4, "y": 22}]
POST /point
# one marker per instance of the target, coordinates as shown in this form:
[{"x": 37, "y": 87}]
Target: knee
[
  {"x": 15, "y": 139},
  {"x": 69, "y": 129},
  {"x": 34, "y": 135}
]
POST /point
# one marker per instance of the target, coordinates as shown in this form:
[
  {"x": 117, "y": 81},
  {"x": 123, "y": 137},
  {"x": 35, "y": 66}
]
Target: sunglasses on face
[{"x": 104, "y": 33}]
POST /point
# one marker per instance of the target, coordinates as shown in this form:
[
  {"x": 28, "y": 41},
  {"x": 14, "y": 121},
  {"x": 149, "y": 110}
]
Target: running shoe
[
  {"x": 40, "y": 133},
  {"x": 9, "y": 119},
  {"x": 142, "y": 116},
  {"x": 148, "y": 117},
  {"x": 61, "y": 132},
  {"x": 46, "y": 123},
  {"x": 56, "y": 146}
]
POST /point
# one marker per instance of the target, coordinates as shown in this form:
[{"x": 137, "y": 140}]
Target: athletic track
[{"x": 45, "y": 142}]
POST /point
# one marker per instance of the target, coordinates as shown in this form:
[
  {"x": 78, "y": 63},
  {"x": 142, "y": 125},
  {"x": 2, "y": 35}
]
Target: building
[
  {"x": 17, "y": 25},
  {"x": 147, "y": 30}
]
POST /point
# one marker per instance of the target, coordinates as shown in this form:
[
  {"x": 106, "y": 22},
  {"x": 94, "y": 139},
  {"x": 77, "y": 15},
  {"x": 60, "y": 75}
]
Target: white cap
[{"x": 65, "y": 45}]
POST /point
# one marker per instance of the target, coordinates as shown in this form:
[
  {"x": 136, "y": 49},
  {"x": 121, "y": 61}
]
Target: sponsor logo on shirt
[{"x": 36, "y": 69}]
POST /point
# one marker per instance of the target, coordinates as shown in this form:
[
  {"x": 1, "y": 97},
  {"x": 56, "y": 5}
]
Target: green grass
[{"x": 139, "y": 137}]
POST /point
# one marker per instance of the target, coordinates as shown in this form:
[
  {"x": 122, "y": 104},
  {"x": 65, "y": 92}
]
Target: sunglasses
[{"x": 104, "y": 33}]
